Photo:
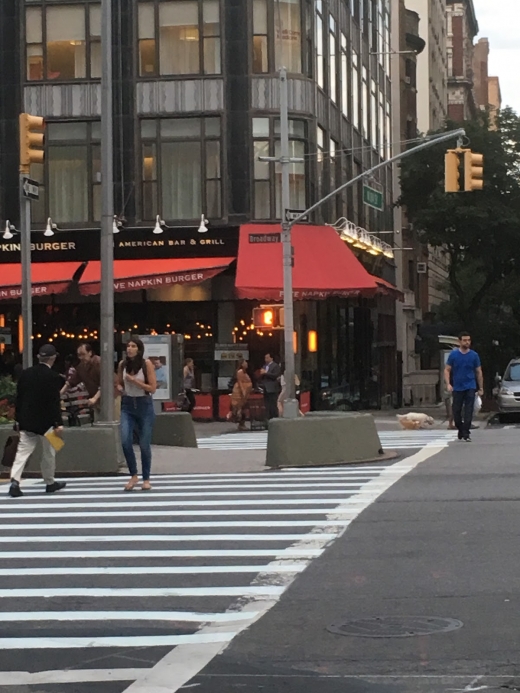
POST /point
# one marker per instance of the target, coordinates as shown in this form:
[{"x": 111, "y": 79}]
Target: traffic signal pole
[
  {"x": 25, "y": 252},
  {"x": 107, "y": 219},
  {"x": 290, "y": 406}
]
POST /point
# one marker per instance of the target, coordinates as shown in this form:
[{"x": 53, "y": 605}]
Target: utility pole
[
  {"x": 290, "y": 407},
  {"x": 107, "y": 218}
]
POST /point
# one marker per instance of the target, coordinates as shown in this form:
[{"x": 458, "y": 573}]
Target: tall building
[
  {"x": 196, "y": 107},
  {"x": 432, "y": 64},
  {"x": 486, "y": 88},
  {"x": 462, "y": 28}
]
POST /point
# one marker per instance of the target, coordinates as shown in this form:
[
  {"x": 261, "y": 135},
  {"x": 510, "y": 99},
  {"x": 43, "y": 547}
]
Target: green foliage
[{"x": 480, "y": 231}]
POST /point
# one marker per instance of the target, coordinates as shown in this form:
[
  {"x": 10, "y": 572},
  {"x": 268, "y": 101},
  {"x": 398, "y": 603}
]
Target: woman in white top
[{"x": 137, "y": 383}]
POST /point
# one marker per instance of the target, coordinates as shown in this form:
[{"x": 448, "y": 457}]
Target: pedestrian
[
  {"x": 88, "y": 372},
  {"x": 188, "y": 375},
  {"x": 240, "y": 395},
  {"x": 38, "y": 410},
  {"x": 283, "y": 392},
  {"x": 463, "y": 377},
  {"x": 270, "y": 381},
  {"x": 137, "y": 383}
]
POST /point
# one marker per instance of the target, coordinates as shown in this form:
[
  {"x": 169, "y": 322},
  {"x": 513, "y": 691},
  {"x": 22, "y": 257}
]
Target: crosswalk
[
  {"x": 193, "y": 562},
  {"x": 391, "y": 440}
]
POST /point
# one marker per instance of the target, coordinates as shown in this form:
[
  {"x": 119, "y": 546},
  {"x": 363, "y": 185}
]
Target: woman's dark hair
[
  {"x": 133, "y": 366},
  {"x": 241, "y": 364}
]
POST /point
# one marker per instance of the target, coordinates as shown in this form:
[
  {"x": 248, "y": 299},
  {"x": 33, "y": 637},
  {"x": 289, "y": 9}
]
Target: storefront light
[
  {"x": 295, "y": 341},
  {"x": 312, "y": 341}
]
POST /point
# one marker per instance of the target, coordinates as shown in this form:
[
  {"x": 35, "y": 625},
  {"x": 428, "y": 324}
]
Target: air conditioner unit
[{"x": 422, "y": 268}]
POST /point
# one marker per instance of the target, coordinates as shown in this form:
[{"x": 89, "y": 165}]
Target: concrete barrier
[
  {"x": 322, "y": 438},
  {"x": 88, "y": 449},
  {"x": 174, "y": 429}
]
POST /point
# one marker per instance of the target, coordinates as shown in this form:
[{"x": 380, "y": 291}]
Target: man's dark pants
[
  {"x": 463, "y": 405},
  {"x": 271, "y": 404}
]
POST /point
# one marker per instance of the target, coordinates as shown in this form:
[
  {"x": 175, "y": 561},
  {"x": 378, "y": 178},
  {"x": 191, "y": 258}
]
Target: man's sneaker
[
  {"x": 467, "y": 439},
  {"x": 459, "y": 435},
  {"x": 15, "y": 491},
  {"x": 56, "y": 486}
]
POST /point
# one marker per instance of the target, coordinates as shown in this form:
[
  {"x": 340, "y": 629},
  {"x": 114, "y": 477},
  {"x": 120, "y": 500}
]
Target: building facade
[
  {"x": 486, "y": 87},
  {"x": 462, "y": 28},
  {"x": 196, "y": 106}
]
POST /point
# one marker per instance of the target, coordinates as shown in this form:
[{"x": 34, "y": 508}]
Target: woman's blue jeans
[{"x": 137, "y": 414}]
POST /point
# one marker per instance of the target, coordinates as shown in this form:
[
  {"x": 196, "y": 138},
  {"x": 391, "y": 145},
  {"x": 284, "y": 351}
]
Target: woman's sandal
[
  {"x": 146, "y": 486},
  {"x": 132, "y": 483}
]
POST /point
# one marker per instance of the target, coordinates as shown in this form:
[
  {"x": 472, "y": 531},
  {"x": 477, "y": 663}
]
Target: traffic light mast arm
[{"x": 453, "y": 134}]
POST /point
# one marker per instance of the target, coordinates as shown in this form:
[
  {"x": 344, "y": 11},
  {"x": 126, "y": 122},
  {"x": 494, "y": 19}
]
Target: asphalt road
[{"x": 442, "y": 543}]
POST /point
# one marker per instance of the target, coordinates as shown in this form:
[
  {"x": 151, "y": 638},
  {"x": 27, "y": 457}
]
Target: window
[
  {"x": 320, "y": 141},
  {"x": 179, "y": 37},
  {"x": 260, "y": 32},
  {"x": 320, "y": 68},
  {"x": 382, "y": 142},
  {"x": 63, "y": 42},
  {"x": 365, "y": 103},
  {"x": 355, "y": 89},
  {"x": 288, "y": 44},
  {"x": 373, "y": 113},
  {"x": 268, "y": 175},
  {"x": 344, "y": 76},
  {"x": 332, "y": 60},
  {"x": 70, "y": 190},
  {"x": 181, "y": 168}
]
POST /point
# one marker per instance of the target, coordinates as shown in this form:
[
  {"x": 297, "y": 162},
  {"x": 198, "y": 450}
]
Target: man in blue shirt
[{"x": 463, "y": 377}]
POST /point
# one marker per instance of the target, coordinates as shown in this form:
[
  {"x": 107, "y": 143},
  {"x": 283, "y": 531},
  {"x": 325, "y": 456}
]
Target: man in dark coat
[
  {"x": 271, "y": 374},
  {"x": 38, "y": 410}
]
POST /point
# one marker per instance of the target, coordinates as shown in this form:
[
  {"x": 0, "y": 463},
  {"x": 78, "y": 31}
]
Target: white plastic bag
[{"x": 478, "y": 404}]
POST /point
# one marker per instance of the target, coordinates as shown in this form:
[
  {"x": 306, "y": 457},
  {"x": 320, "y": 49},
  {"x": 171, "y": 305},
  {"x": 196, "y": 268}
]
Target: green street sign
[{"x": 373, "y": 198}]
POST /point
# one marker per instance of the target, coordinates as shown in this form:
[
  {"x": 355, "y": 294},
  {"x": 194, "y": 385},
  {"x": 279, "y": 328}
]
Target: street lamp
[{"x": 8, "y": 233}]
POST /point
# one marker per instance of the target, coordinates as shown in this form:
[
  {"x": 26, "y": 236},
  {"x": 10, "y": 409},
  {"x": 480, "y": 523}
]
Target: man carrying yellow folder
[{"x": 38, "y": 414}]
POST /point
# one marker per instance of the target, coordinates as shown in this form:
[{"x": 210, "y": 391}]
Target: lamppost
[{"x": 107, "y": 219}]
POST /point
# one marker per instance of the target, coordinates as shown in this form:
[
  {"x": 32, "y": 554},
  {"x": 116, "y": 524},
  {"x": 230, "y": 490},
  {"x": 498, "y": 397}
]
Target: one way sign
[{"x": 31, "y": 189}]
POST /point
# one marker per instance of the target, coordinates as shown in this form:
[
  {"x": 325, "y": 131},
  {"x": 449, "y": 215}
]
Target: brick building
[{"x": 462, "y": 27}]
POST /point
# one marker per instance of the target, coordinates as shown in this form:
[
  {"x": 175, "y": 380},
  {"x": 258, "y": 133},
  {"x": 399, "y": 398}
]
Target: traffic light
[
  {"x": 268, "y": 317},
  {"x": 452, "y": 181},
  {"x": 473, "y": 171},
  {"x": 29, "y": 139}
]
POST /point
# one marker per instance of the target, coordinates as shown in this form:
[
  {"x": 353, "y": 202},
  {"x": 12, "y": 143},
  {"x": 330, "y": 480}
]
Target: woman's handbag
[{"x": 10, "y": 448}]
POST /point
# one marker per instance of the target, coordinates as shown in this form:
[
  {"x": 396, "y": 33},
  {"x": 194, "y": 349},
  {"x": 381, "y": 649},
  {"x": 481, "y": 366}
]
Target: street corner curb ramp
[
  {"x": 175, "y": 430},
  {"x": 321, "y": 439},
  {"x": 88, "y": 449}
]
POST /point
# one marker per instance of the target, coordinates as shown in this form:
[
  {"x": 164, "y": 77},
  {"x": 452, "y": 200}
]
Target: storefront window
[
  {"x": 63, "y": 42},
  {"x": 70, "y": 179},
  {"x": 267, "y": 175},
  {"x": 181, "y": 168},
  {"x": 179, "y": 37}
]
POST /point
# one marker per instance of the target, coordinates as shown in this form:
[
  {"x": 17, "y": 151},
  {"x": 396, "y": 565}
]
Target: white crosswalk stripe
[
  {"x": 390, "y": 440},
  {"x": 97, "y": 568}
]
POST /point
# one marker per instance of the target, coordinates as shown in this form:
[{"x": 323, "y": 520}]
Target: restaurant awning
[
  {"x": 47, "y": 278},
  {"x": 324, "y": 265},
  {"x": 135, "y": 275}
]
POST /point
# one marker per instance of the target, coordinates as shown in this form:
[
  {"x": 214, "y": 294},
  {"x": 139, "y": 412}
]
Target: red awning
[
  {"x": 134, "y": 275},
  {"x": 388, "y": 289},
  {"x": 47, "y": 278},
  {"x": 323, "y": 265}
]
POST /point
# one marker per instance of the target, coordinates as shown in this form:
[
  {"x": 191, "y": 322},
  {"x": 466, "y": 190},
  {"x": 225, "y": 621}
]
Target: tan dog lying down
[{"x": 414, "y": 421}]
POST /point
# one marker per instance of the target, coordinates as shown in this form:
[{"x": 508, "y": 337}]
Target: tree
[{"x": 479, "y": 231}]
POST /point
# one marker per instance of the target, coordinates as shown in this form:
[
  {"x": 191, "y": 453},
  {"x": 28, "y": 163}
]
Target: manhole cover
[{"x": 395, "y": 626}]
